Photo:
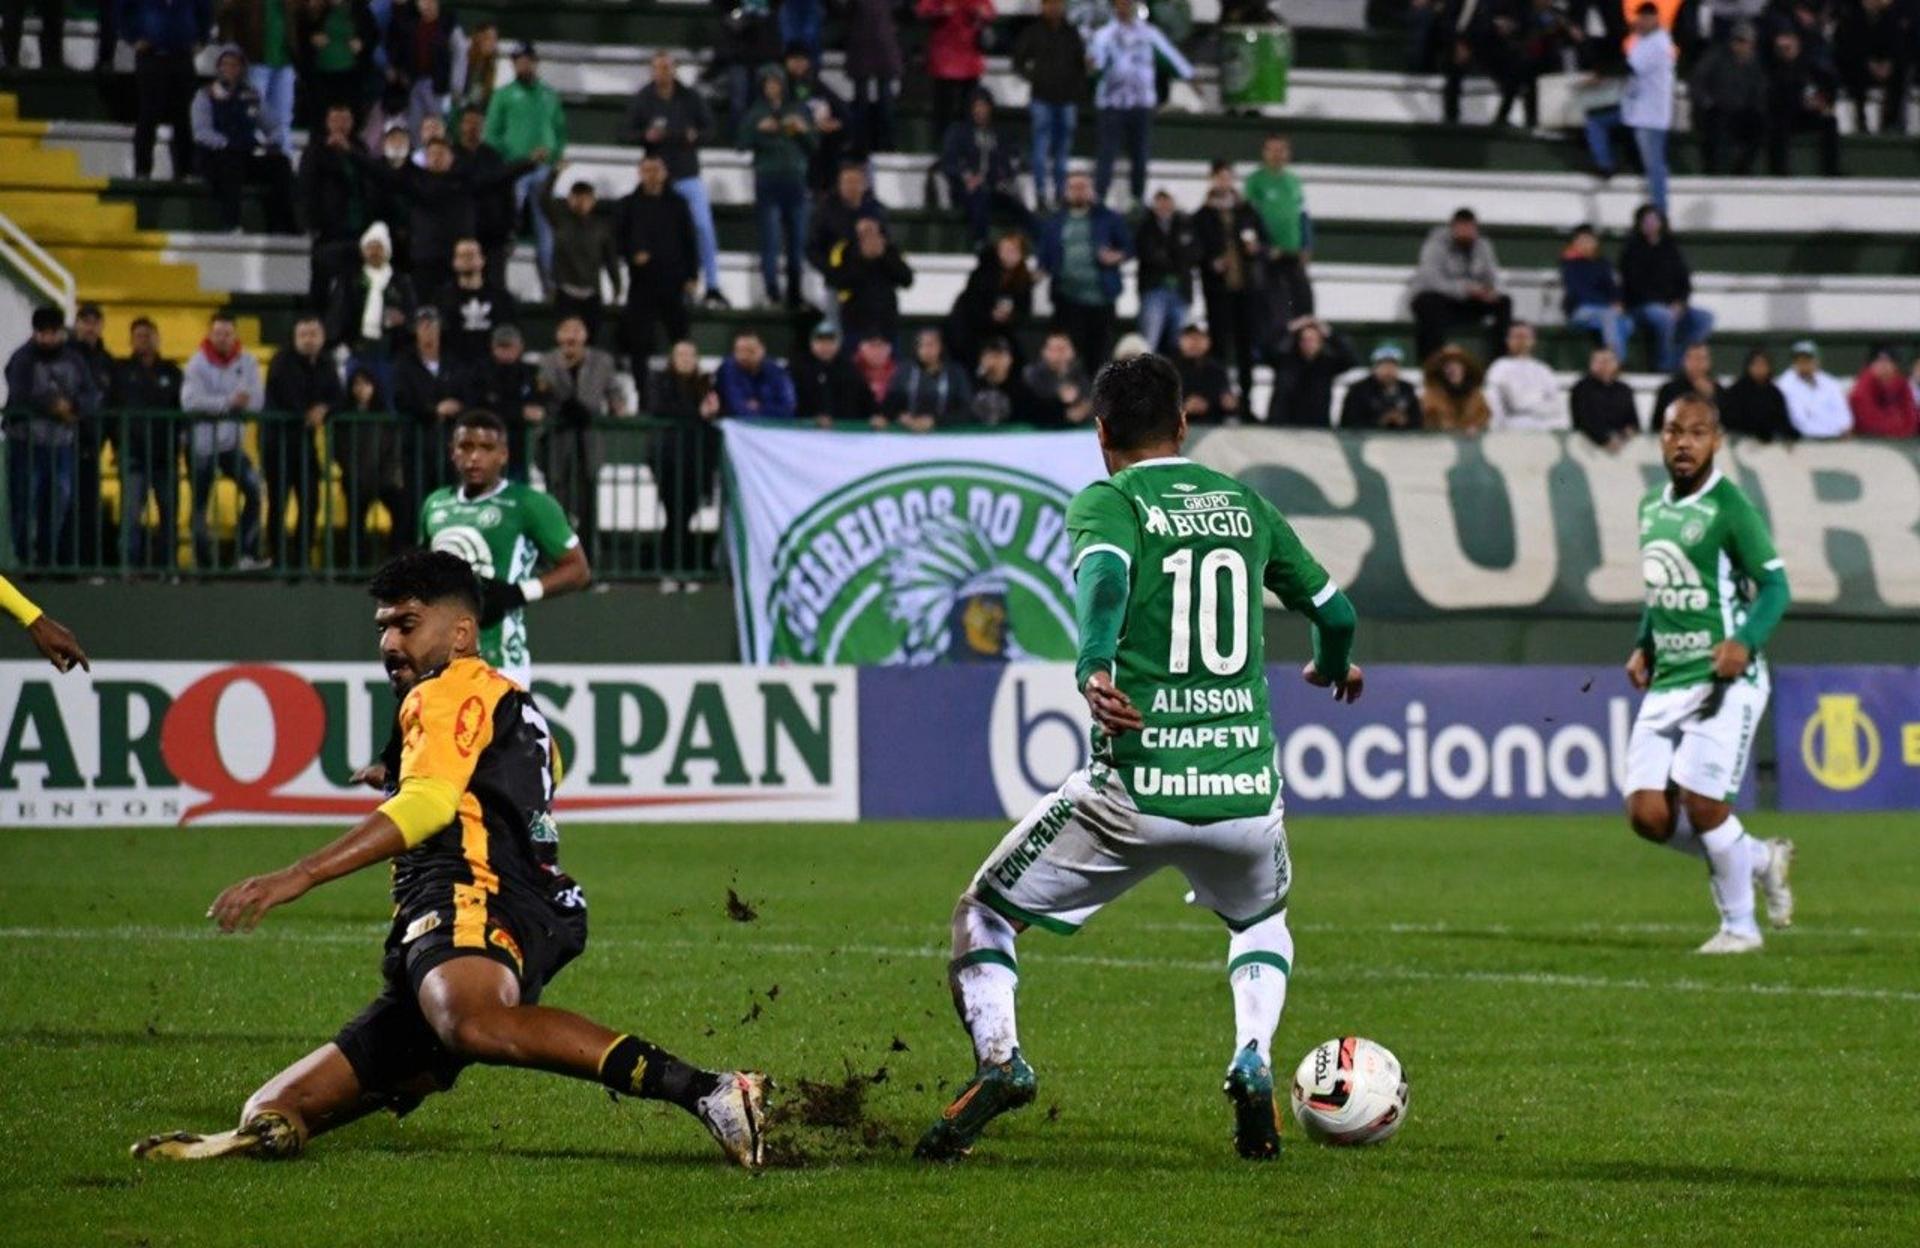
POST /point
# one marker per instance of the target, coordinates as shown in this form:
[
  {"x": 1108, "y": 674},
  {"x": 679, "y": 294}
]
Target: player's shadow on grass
[
  {"x": 447, "y": 1142},
  {"x": 1628, "y": 1171}
]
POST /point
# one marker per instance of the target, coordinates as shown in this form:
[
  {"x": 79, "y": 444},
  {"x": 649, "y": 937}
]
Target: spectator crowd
[{"x": 434, "y": 147}]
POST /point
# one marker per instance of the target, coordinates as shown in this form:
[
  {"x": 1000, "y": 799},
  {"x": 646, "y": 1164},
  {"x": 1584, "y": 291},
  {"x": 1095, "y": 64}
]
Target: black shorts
[{"x": 390, "y": 1044}]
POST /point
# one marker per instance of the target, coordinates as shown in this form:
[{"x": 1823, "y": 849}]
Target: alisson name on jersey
[{"x": 1202, "y": 702}]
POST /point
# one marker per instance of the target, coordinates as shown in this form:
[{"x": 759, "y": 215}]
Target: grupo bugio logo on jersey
[{"x": 935, "y": 562}]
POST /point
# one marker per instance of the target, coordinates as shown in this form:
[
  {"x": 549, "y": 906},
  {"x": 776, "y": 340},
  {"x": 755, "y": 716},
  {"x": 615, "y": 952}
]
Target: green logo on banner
[{"x": 940, "y": 562}]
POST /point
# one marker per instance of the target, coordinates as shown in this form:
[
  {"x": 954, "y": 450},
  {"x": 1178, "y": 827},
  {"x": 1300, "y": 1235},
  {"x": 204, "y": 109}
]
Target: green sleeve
[
  {"x": 1334, "y": 625},
  {"x": 494, "y": 132},
  {"x": 1292, "y": 573},
  {"x": 1100, "y": 609},
  {"x": 559, "y": 127},
  {"x": 1643, "y": 640},
  {"x": 547, "y": 525},
  {"x": 426, "y": 538},
  {"x": 1101, "y": 518},
  {"x": 1755, "y": 558}
]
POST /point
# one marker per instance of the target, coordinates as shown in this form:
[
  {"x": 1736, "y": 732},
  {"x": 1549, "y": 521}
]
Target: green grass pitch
[{"x": 1578, "y": 1076}]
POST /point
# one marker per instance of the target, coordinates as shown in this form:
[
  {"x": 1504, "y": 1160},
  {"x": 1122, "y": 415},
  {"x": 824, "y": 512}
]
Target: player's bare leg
[
  {"x": 314, "y": 1095},
  {"x": 473, "y": 1006},
  {"x": 983, "y": 977}
]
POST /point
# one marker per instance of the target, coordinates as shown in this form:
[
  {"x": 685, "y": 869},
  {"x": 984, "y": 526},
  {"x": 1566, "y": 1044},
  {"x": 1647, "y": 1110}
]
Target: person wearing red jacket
[
  {"x": 953, "y": 54},
  {"x": 1882, "y": 401}
]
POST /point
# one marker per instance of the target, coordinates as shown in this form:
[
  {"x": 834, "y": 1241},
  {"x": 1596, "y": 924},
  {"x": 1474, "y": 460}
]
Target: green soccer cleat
[
  {"x": 993, "y": 1090},
  {"x": 1256, "y": 1119}
]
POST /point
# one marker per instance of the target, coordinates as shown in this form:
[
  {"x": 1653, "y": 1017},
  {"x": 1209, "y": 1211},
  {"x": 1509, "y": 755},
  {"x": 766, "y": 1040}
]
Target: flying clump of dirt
[
  {"x": 821, "y": 1122},
  {"x": 739, "y": 909}
]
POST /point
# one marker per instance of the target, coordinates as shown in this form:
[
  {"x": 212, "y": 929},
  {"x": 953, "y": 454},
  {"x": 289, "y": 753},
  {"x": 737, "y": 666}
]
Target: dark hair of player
[
  {"x": 428, "y": 576},
  {"x": 481, "y": 418},
  {"x": 1686, "y": 401},
  {"x": 1138, "y": 402}
]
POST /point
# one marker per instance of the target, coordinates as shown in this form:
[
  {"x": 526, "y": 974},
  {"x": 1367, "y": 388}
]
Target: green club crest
[{"x": 939, "y": 562}]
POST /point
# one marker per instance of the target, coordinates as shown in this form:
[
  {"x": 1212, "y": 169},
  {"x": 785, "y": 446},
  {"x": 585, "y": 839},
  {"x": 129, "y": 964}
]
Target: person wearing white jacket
[
  {"x": 1816, "y": 402},
  {"x": 222, "y": 378},
  {"x": 1646, "y": 105},
  {"x": 1521, "y": 390}
]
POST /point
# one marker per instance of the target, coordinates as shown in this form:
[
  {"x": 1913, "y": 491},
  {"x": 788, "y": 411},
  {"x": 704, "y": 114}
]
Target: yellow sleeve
[
  {"x": 17, "y": 604},
  {"x": 421, "y": 808}
]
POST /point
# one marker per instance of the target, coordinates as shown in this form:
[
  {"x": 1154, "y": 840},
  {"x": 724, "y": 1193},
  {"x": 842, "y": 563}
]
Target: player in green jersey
[
  {"x": 1715, "y": 589},
  {"x": 1170, "y": 560},
  {"x": 504, "y": 529}
]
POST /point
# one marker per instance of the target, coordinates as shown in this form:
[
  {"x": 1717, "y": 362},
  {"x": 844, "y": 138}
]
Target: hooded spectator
[
  {"x": 1451, "y": 400},
  {"x": 50, "y": 391},
  {"x": 222, "y": 380}
]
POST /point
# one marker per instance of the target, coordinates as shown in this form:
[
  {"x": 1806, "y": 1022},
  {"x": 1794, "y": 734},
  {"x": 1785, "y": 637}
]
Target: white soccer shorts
[
  {"x": 1671, "y": 741},
  {"x": 1087, "y": 843}
]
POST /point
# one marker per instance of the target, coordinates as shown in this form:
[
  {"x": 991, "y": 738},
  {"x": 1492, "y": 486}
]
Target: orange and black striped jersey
[{"x": 467, "y": 727}]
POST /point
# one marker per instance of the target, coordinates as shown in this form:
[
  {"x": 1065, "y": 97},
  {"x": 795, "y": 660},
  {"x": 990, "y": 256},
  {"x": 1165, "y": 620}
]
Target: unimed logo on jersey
[
  {"x": 930, "y": 562},
  {"x": 167, "y": 743}
]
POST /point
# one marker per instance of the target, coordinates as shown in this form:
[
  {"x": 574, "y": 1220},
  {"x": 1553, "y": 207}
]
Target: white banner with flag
[{"x": 893, "y": 548}]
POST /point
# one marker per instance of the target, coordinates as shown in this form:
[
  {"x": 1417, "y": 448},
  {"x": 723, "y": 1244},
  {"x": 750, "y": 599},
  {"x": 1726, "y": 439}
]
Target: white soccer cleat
[
  {"x": 1731, "y": 942},
  {"x": 735, "y": 1114},
  {"x": 1771, "y": 879}
]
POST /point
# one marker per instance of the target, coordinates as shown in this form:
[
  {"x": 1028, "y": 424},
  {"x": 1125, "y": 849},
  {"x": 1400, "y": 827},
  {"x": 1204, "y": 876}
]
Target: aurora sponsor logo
[
  {"x": 947, "y": 561},
  {"x": 1671, "y": 579}
]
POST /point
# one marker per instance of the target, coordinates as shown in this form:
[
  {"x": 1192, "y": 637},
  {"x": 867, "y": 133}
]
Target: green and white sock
[
  {"x": 1259, "y": 960},
  {"x": 984, "y": 976}
]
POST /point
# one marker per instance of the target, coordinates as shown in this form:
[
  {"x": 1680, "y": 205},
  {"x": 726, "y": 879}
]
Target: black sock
[{"x": 636, "y": 1068}]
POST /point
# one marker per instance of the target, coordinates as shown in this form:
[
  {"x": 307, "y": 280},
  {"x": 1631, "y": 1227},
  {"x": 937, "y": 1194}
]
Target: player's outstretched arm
[
  {"x": 50, "y": 637},
  {"x": 1334, "y": 624},
  {"x": 374, "y": 839}
]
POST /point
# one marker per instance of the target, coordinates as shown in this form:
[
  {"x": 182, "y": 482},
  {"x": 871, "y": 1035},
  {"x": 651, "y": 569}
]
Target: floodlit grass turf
[{"x": 1578, "y": 1077}]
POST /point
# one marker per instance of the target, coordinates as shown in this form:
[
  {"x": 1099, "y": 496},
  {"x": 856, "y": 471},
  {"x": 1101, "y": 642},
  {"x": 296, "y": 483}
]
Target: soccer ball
[{"x": 1349, "y": 1091}]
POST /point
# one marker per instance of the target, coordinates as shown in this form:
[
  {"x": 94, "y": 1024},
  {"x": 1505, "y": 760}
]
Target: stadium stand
[{"x": 1775, "y": 259}]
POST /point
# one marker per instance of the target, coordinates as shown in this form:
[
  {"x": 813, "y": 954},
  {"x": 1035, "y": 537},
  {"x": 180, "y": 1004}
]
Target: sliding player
[
  {"x": 1170, "y": 559},
  {"x": 1715, "y": 589},
  {"x": 483, "y": 916}
]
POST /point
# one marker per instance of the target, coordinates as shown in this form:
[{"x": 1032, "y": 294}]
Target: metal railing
[
  {"x": 39, "y": 269},
  {"x": 150, "y": 493}
]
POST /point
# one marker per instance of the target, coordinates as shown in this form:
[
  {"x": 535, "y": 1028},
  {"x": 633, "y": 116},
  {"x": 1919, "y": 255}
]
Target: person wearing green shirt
[
  {"x": 1277, "y": 195},
  {"x": 526, "y": 121},
  {"x": 1715, "y": 591},
  {"x": 780, "y": 135},
  {"x": 504, "y": 530},
  {"x": 1171, "y": 561}
]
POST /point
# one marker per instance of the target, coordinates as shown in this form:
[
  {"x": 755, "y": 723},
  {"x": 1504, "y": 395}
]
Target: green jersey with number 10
[{"x": 1199, "y": 547}]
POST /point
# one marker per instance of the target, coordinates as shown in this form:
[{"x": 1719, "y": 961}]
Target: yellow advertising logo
[{"x": 1840, "y": 745}]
